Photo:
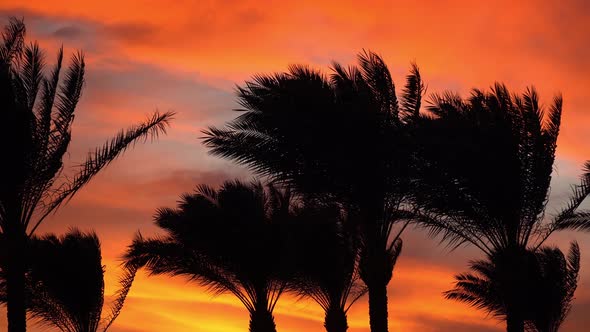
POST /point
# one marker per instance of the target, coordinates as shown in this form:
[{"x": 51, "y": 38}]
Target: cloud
[
  {"x": 68, "y": 32},
  {"x": 130, "y": 32}
]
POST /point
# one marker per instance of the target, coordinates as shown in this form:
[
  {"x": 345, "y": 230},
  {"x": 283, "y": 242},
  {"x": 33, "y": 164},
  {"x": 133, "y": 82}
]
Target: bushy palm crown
[
  {"x": 35, "y": 132},
  {"x": 65, "y": 283},
  {"x": 324, "y": 247},
  {"x": 486, "y": 169},
  {"x": 323, "y": 134},
  {"x": 558, "y": 281},
  {"x": 546, "y": 292},
  {"x": 229, "y": 240}
]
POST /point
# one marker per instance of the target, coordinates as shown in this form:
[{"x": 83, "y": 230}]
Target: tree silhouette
[
  {"x": 228, "y": 240},
  {"x": 65, "y": 283},
  {"x": 344, "y": 137},
  {"x": 543, "y": 295},
  {"x": 555, "y": 292},
  {"x": 484, "y": 176},
  {"x": 35, "y": 133},
  {"x": 325, "y": 247}
]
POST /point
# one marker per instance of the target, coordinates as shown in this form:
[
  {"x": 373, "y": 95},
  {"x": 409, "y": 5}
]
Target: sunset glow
[{"x": 188, "y": 56}]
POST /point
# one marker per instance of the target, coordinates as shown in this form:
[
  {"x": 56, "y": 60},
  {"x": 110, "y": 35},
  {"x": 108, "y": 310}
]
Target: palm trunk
[
  {"x": 15, "y": 283},
  {"x": 335, "y": 320},
  {"x": 378, "y": 307},
  {"x": 262, "y": 320}
]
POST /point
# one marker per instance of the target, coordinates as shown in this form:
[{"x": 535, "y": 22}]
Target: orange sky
[{"x": 187, "y": 56}]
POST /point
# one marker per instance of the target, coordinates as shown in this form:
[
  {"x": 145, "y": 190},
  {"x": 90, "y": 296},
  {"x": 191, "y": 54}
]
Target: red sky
[{"x": 187, "y": 56}]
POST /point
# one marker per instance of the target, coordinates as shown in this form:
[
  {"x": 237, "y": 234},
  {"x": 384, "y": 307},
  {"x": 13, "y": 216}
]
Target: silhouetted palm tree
[
  {"x": 229, "y": 240},
  {"x": 552, "y": 300},
  {"x": 343, "y": 136},
  {"x": 65, "y": 283},
  {"x": 325, "y": 249},
  {"x": 35, "y": 133},
  {"x": 484, "y": 179},
  {"x": 544, "y": 297}
]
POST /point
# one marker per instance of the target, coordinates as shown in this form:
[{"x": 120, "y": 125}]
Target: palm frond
[
  {"x": 377, "y": 76},
  {"x": 12, "y": 40},
  {"x": 69, "y": 94},
  {"x": 103, "y": 156},
  {"x": 412, "y": 94},
  {"x": 569, "y": 217},
  {"x": 476, "y": 292},
  {"x": 125, "y": 282},
  {"x": 32, "y": 72}
]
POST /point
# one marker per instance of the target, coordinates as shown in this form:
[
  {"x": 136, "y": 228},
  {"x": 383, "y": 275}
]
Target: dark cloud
[
  {"x": 68, "y": 32},
  {"x": 124, "y": 83},
  {"x": 130, "y": 32},
  {"x": 250, "y": 17}
]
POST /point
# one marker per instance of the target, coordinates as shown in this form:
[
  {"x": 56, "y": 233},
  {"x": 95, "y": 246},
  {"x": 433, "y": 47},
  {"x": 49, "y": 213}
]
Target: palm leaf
[
  {"x": 13, "y": 40},
  {"x": 125, "y": 282},
  {"x": 412, "y": 95},
  {"x": 105, "y": 155}
]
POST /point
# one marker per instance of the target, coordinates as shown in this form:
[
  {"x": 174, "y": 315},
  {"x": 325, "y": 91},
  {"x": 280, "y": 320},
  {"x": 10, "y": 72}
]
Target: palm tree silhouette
[
  {"x": 484, "y": 179},
  {"x": 228, "y": 240},
  {"x": 555, "y": 292},
  {"x": 543, "y": 297},
  {"x": 65, "y": 283},
  {"x": 325, "y": 250},
  {"x": 34, "y": 136},
  {"x": 343, "y": 137}
]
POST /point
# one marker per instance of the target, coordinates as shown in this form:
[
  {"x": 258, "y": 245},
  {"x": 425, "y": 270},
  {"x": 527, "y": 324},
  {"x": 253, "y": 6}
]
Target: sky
[{"x": 188, "y": 56}]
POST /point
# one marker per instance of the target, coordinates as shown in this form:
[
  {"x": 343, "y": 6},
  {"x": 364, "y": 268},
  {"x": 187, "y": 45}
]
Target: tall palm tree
[
  {"x": 65, "y": 283},
  {"x": 545, "y": 296},
  {"x": 228, "y": 240},
  {"x": 325, "y": 251},
  {"x": 484, "y": 177},
  {"x": 342, "y": 136},
  {"x": 35, "y": 133}
]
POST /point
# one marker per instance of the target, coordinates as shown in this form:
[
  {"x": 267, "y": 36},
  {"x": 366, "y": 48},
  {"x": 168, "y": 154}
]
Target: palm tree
[
  {"x": 228, "y": 240},
  {"x": 343, "y": 137},
  {"x": 555, "y": 293},
  {"x": 35, "y": 133},
  {"x": 545, "y": 295},
  {"x": 65, "y": 283},
  {"x": 325, "y": 251},
  {"x": 484, "y": 177}
]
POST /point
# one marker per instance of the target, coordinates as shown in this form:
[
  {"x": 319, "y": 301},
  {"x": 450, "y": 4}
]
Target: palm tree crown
[
  {"x": 228, "y": 240},
  {"x": 324, "y": 249},
  {"x": 486, "y": 168},
  {"x": 546, "y": 292}
]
